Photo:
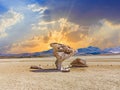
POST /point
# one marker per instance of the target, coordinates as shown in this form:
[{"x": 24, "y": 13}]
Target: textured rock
[
  {"x": 61, "y": 52},
  {"x": 79, "y": 63}
]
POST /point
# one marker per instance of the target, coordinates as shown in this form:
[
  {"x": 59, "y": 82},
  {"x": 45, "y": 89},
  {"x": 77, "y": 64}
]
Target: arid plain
[{"x": 102, "y": 73}]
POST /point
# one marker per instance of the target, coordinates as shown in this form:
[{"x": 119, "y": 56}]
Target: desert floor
[{"x": 102, "y": 73}]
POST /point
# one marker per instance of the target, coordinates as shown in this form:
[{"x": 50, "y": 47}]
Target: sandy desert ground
[{"x": 102, "y": 73}]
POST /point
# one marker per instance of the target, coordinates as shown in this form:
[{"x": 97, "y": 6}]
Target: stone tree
[{"x": 61, "y": 52}]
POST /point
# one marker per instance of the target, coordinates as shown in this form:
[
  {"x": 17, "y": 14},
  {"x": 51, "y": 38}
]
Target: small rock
[
  {"x": 79, "y": 63},
  {"x": 36, "y": 67}
]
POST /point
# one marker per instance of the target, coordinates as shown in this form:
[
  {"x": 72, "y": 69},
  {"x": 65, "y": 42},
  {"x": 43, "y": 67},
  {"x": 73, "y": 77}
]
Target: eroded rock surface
[{"x": 61, "y": 52}]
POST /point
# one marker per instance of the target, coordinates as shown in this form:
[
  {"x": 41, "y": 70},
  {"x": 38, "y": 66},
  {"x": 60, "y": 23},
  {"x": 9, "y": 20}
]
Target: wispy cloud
[
  {"x": 7, "y": 20},
  {"x": 37, "y": 8}
]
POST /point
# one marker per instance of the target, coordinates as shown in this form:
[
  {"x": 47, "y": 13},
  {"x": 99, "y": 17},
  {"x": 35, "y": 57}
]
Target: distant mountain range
[
  {"x": 115, "y": 50},
  {"x": 81, "y": 51},
  {"x": 35, "y": 54},
  {"x": 95, "y": 51},
  {"x": 89, "y": 50}
]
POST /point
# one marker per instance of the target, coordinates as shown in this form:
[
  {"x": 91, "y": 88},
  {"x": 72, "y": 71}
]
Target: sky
[{"x": 28, "y": 26}]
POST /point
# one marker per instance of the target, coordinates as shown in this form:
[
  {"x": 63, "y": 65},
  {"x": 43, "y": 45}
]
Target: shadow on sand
[
  {"x": 55, "y": 70},
  {"x": 44, "y": 70}
]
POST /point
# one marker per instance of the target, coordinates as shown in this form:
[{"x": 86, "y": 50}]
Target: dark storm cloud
[{"x": 82, "y": 11}]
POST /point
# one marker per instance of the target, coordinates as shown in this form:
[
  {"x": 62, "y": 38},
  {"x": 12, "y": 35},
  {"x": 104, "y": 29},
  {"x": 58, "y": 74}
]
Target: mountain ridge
[{"x": 91, "y": 50}]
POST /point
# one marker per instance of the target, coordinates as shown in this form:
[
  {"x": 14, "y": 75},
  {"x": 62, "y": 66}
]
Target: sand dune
[{"x": 103, "y": 73}]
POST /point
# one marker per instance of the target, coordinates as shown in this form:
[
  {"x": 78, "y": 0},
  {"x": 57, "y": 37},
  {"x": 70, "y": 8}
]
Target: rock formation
[
  {"x": 61, "y": 52},
  {"x": 79, "y": 63}
]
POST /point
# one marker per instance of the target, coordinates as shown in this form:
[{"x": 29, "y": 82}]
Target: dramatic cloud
[
  {"x": 105, "y": 34},
  {"x": 31, "y": 25},
  {"x": 7, "y": 20},
  {"x": 61, "y": 31}
]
